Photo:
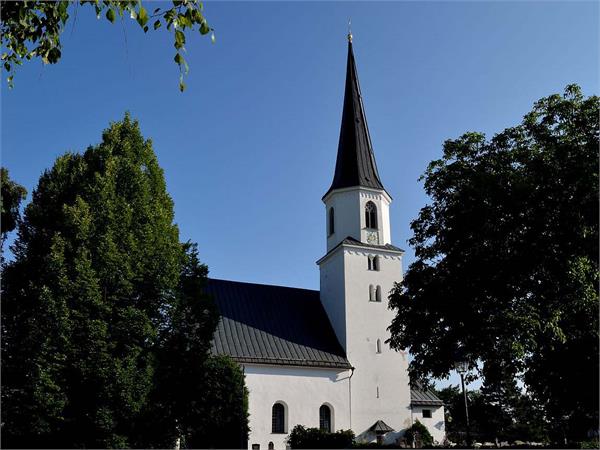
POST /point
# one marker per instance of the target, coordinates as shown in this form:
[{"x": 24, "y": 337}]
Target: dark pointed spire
[{"x": 355, "y": 165}]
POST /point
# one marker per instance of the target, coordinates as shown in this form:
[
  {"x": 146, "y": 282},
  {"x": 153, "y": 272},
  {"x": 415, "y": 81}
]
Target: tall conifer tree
[{"x": 100, "y": 303}]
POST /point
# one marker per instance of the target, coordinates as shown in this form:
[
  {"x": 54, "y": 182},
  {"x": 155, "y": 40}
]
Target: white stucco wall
[
  {"x": 333, "y": 292},
  {"x": 302, "y": 391},
  {"x": 435, "y": 424},
  {"x": 349, "y": 206},
  {"x": 380, "y": 385}
]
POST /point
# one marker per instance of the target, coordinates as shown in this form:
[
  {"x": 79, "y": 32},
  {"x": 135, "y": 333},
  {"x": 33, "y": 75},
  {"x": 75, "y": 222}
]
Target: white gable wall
[{"x": 302, "y": 391}]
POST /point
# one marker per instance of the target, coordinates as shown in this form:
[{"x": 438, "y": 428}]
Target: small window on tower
[
  {"x": 371, "y": 293},
  {"x": 378, "y": 294},
  {"x": 370, "y": 262},
  {"x": 378, "y": 346},
  {"x": 371, "y": 215},
  {"x": 376, "y": 263},
  {"x": 331, "y": 221},
  {"x": 427, "y": 413}
]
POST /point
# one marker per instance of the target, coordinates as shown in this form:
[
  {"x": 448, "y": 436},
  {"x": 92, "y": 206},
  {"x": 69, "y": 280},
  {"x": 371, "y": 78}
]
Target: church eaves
[{"x": 355, "y": 164}]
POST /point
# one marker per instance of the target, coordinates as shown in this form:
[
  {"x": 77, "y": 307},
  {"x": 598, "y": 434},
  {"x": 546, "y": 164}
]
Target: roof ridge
[{"x": 262, "y": 284}]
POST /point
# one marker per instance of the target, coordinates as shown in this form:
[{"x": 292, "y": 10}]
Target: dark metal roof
[
  {"x": 274, "y": 325},
  {"x": 355, "y": 164},
  {"x": 381, "y": 427},
  {"x": 424, "y": 397},
  {"x": 351, "y": 241}
]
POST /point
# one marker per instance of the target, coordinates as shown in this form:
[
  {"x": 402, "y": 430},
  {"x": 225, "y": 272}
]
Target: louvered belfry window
[
  {"x": 278, "y": 418},
  {"x": 325, "y": 418},
  {"x": 371, "y": 215}
]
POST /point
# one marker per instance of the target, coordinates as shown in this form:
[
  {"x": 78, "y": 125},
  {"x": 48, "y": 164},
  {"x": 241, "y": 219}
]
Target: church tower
[{"x": 358, "y": 272}]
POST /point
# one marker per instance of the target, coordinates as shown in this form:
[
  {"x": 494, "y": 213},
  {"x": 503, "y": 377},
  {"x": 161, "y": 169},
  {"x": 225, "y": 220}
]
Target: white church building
[{"x": 320, "y": 358}]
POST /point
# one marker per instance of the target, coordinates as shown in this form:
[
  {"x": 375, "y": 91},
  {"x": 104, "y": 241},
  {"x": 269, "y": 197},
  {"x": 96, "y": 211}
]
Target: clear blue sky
[{"x": 249, "y": 149}]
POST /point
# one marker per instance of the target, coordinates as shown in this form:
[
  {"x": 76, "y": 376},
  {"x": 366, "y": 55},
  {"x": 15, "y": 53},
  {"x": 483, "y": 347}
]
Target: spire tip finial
[{"x": 350, "y": 30}]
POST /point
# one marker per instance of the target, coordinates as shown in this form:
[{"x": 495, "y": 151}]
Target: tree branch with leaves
[{"x": 32, "y": 29}]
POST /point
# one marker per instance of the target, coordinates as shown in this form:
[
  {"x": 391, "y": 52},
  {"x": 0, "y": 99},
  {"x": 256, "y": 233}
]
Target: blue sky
[{"x": 249, "y": 149}]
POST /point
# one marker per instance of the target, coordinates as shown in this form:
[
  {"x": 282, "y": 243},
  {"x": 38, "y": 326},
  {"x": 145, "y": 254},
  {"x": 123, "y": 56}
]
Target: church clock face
[{"x": 373, "y": 237}]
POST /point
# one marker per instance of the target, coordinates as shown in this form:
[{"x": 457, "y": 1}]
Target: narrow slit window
[
  {"x": 378, "y": 345},
  {"x": 370, "y": 263},
  {"x": 331, "y": 221},
  {"x": 378, "y": 294},
  {"x": 376, "y": 263}
]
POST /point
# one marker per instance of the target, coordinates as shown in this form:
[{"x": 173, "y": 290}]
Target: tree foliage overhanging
[
  {"x": 506, "y": 270},
  {"x": 32, "y": 29},
  {"x": 105, "y": 330}
]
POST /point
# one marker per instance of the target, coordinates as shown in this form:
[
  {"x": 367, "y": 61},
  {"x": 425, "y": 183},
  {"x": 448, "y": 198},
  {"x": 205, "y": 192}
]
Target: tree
[
  {"x": 418, "y": 436},
  {"x": 11, "y": 196},
  {"x": 493, "y": 416},
  {"x": 32, "y": 29},
  {"x": 506, "y": 270},
  {"x": 302, "y": 437},
  {"x": 99, "y": 306}
]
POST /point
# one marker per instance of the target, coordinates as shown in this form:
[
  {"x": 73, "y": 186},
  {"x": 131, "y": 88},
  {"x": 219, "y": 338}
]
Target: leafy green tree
[
  {"x": 506, "y": 269},
  {"x": 11, "y": 196},
  {"x": 103, "y": 317},
  {"x": 418, "y": 436},
  {"x": 32, "y": 29},
  {"x": 493, "y": 416},
  {"x": 302, "y": 437}
]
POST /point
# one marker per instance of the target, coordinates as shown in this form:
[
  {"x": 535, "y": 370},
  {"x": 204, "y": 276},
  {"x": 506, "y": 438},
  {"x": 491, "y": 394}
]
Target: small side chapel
[{"x": 320, "y": 358}]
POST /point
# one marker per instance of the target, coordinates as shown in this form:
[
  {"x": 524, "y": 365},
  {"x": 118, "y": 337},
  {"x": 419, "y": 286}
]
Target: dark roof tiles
[
  {"x": 424, "y": 397},
  {"x": 355, "y": 164},
  {"x": 381, "y": 427},
  {"x": 279, "y": 325},
  {"x": 351, "y": 241}
]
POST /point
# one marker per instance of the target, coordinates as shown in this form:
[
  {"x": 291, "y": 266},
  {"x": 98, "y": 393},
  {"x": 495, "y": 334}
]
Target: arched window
[
  {"x": 325, "y": 418},
  {"x": 378, "y": 350},
  {"x": 331, "y": 222},
  {"x": 378, "y": 294},
  {"x": 271, "y": 446},
  {"x": 278, "y": 419},
  {"x": 371, "y": 215},
  {"x": 373, "y": 262},
  {"x": 371, "y": 293}
]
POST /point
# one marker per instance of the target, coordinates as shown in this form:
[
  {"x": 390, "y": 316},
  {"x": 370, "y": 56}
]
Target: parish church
[{"x": 320, "y": 358}]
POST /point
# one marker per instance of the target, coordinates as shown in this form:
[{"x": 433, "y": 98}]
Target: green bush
[
  {"x": 592, "y": 443},
  {"x": 302, "y": 437},
  {"x": 419, "y": 435}
]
